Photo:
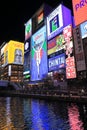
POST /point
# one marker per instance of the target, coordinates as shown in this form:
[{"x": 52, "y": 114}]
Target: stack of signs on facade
[{"x": 70, "y": 60}]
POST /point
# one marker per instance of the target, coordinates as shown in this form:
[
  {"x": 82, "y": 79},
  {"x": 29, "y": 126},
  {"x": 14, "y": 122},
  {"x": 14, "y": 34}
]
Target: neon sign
[{"x": 56, "y": 62}]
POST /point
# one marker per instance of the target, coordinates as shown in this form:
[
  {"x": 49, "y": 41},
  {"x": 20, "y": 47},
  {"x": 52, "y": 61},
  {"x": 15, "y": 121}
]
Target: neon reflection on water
[
  {"x": 74, "y": 119},
  {"x": 44, "y": 118},
  {"x": 8, "y": 114}
]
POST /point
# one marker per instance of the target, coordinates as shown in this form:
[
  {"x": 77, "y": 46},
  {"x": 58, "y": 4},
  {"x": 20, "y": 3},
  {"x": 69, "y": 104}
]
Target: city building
[
  {"x": 32, "y": 26},
  {"x": 49, "y": 46},
  {"x": 12, "y": 60}
]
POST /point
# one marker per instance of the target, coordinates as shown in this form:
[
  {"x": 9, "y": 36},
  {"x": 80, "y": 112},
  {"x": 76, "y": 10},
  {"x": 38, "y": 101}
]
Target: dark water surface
[{"x": 33, "y": 114}]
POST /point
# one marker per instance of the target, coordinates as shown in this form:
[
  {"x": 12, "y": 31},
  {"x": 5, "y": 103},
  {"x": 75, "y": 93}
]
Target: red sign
[
  {"x": 70, "y": 62},
  {"x": 70, "y": 72},
  {"x": 79, "y": 9}
]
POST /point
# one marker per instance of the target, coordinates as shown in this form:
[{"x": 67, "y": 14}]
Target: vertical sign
[
  {"x": 28, "y": 29},
  {"x": 70, "y": 60},
  {"x": 79, "y": 52},
  {"x": 9, "y": 70}
]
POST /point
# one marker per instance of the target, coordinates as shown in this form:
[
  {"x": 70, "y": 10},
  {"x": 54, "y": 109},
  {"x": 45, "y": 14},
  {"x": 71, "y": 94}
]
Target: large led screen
[
  {"x": 56, "y": 20},
  {"x": 57, "y": 62},
  {"x": 83, "y": 27},
  {"x": 28, "y": 29},
  {"x": 39, "y": 67},
  {"x": 79, "y": 9}
]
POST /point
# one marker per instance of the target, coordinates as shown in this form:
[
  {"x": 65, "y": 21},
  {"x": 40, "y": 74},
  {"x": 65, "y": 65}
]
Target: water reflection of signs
[{"x": 74, "y": 120}]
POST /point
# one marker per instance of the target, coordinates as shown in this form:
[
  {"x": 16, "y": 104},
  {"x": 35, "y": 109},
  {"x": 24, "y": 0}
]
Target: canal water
[{"x": 34, "y": 114}]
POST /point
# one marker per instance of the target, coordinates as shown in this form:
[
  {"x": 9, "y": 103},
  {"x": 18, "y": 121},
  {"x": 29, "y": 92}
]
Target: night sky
[{"x": 14, "y": 14}]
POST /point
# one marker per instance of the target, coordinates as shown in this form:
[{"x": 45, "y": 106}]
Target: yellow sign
[{"x": 14, "y": 52}]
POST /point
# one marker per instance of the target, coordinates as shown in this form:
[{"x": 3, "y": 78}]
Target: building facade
[{"x": 12, "y": 60}]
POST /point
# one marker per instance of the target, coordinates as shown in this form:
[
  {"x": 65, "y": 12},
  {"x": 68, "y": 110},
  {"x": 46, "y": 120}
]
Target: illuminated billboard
[
  {"x": 27, "y": 45},
  {"x": 27, "y": 63},
  {"x": 57, "y": 62},
  {"x": 40, "y": 17},
  {"x": 14, "y": 52},
  {"x": 57, "y": 20},
  {"x": 79, "y": 9},
  {"x": 70, "y": 59},
  {"x": 83, "y": 28},
  {"x": 3, "y": 55},
  {"x": 28, "y": 29},
  {"x": 79, "y": 51},
  {"x": 56, "y": 44},
  {"x": 39, "y": 67}
]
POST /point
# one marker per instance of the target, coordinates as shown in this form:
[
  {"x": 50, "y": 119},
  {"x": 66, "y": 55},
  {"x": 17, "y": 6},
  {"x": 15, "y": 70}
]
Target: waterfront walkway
[{"x": 59, "y": 95}]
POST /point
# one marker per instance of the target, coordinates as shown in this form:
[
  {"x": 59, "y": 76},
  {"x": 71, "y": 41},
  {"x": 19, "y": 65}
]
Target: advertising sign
[
  {"x": 57, "y": 62},
  {"x": 39, "y": 67},
  {"x": 83, "y": 28},
  {"x": 28, "y": 29},
  {"x": 27, "y": 45},
  {"x": 70, "y": 59},
  {"x": 70, "y": 68},
  {"x": 40, "y": 17},
  {"x": 57, "y": 20},
  {"x": 26, "y": 71},
  {"x": 79, "y": 52},
  {"x": 79, "y": 9},
  {"x": 56, "y": 44},
  {"x": 14, "y": 52}
]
